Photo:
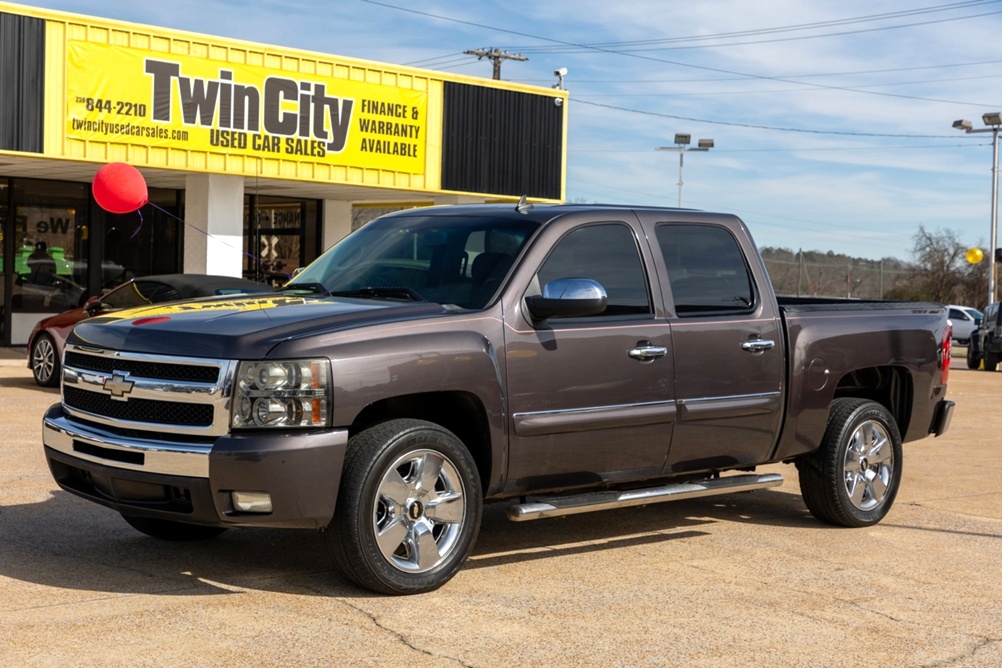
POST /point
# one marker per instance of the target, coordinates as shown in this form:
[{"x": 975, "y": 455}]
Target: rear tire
[
  {"x": 408, "y": 509},
  {"x": 173, "y": 531},
  {"x": 45, "y": 365},
  {"x": 853, "y": 477}
]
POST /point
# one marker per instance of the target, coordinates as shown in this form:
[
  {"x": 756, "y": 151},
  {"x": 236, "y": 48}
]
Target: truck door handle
[
  {"x": 647, "y": 353},
  {"x": 757, "y": 345}
]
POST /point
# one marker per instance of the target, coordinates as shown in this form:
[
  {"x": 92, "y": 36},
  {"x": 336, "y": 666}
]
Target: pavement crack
[
  {"x": 402, "y": 638},
  {"x": 979, "y": 645},
  {"x": 808, "y": 593},
  {"x": 862, "y": 607}
]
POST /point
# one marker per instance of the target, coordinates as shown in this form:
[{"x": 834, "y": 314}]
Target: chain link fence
[{"x": 817, "y": 275}]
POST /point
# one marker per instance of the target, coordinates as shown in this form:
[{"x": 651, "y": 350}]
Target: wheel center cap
[
  {"x": 415, "y": 510},
  {"x": 863, "y": 464}
]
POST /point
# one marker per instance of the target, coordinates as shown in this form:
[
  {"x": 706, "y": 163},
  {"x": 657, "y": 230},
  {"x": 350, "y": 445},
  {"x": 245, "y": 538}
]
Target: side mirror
[
  {"x": 568, "y": 298},
  {"x": 92, "y": 305}
]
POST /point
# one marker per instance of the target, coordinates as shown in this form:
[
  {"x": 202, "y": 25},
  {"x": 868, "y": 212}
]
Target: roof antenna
[{"x": 523, "y": 206}]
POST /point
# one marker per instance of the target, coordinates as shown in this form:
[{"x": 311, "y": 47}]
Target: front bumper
[{"x": 192, "y": 480}]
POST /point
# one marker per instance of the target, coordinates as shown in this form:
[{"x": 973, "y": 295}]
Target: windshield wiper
[
  {"x": 312, "y": 288},
  {"x": 398, "y": 293}
]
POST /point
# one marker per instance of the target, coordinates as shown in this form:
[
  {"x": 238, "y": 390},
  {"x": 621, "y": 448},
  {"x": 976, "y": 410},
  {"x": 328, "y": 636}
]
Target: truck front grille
[
  {"x": 139, "y": 410},
  {"x": 148, "y": 393},
  {"x": 163, "y": 371}
]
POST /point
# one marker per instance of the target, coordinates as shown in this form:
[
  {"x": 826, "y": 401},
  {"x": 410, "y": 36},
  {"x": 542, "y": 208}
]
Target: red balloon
[{"x": 119, "y": 188}]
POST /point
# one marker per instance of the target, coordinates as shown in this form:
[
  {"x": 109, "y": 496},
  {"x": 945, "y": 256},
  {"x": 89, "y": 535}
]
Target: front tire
[
  {"x": 173, "y": 531},
  {"x": 852, "y": 479},
  {"x": 408, "y": 509},
  {"x": 45, "y": 366},
  {"x": 973, "y": 359}
]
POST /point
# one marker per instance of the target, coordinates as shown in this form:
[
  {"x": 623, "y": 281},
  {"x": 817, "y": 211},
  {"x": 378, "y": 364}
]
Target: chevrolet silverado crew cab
[{"x": 559, "y": 358}]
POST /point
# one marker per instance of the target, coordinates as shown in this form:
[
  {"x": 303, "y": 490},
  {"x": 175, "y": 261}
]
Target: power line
[
  {"x": 707, "y": 68},
  {"x": 797, "y": 27},
  {"x": 797, "y": 149},
  {"x": 586, "y": 48},
  {"x": 762, "y": 127}
]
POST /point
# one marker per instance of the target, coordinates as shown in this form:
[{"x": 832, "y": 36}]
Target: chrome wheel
[
  {"x": 851, "y": 480},
  {"x": 419, "y": 511},
  {"x": 869, "y": 465},
  {"x": 44, "y": 361},
  {"x": 408, "y": 507}
]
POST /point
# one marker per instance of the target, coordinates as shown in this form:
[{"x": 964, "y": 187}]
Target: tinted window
[
  {"x": 157, "y": 292},
  {"x": 459, "y": 260},
  {"x": 607, "y": 254},
  {"x": 706, "y": 269},
  {"x": 125, "y": 296}
]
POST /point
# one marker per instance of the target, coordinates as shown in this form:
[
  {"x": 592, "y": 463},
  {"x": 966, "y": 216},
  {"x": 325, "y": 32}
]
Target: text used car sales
[{"x": 283, "y": 115}]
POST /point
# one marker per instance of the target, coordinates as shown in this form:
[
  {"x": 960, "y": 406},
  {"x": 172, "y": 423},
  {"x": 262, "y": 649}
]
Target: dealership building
[{"x": 256, "y": 158}]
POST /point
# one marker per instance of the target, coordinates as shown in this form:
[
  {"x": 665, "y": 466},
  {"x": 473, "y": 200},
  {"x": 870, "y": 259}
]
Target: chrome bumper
[{"x": 99, "y": 446}]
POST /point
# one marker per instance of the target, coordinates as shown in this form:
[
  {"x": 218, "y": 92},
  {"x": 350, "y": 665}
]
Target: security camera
[{"x": 562, "y": 72}]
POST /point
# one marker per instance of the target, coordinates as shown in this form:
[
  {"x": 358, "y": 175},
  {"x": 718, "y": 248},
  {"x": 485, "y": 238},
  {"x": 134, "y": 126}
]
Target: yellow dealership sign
[{"x": 151, "y": 98}]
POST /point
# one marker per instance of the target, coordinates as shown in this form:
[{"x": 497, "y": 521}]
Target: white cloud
[{"x": 863, "y": 194}]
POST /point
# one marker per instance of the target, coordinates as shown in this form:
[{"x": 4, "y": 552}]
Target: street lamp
[
  {"x": 993, "y": 120},
  {"x": 682, "y": 142}
]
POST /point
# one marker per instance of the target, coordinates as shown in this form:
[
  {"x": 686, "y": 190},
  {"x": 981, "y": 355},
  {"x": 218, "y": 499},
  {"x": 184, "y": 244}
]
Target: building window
[
  {"x": 142, "y": 243},
  {"x": 50, "y": 255}
]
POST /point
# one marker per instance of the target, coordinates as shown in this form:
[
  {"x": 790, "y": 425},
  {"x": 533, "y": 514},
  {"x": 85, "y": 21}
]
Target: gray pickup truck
[{"x": 561, "y": 359}]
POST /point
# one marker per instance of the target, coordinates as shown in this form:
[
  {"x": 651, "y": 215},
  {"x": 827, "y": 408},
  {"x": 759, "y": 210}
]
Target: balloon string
[
  {"x": 197, "y": 229},
  {"x": 140, "y": 226}
]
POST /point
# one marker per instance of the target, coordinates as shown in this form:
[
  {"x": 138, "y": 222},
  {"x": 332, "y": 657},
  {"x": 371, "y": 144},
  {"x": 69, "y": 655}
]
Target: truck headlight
[{"x": 282, "y": 393}]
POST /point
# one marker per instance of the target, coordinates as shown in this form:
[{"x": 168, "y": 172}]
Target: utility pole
[
  {"x": 496, "y": 56},
  {"x": 800, "y": 269}
]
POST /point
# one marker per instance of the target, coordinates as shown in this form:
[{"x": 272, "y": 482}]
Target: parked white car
[{"x": 965, "y": 320}]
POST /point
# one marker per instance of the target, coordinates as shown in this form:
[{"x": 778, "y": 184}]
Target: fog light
[{"x": 251, "y": 502}]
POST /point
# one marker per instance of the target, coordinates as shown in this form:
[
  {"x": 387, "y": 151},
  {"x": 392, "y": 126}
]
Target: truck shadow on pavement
[
  {"x": 28, "y": 383},
  {"x": 68, "y": 544}
]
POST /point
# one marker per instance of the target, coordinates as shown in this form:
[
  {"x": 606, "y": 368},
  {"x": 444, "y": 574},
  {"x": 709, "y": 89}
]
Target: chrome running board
[{"x": 586, "y": 503}]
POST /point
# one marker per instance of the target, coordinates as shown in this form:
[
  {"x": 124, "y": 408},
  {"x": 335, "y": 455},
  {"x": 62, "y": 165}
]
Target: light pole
[
  {"x": 682, "y": 145},
  {"x": 993, "y": 120}
]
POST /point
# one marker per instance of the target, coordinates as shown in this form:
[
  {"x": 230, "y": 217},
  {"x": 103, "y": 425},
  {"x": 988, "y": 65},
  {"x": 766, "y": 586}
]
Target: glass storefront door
[
  {"x": 6, "y": 249},
  {"x": 279, "y": 237},
  {"x": 49, "y": 259}
]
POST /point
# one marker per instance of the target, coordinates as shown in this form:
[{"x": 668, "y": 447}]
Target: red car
[{"x": 45, "y": 345}]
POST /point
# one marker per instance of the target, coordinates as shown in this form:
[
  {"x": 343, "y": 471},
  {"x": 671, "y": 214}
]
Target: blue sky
[{"x": 831, "y": 119}]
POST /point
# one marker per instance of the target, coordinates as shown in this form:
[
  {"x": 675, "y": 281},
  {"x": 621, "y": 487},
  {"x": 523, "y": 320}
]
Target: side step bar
[{"x": 586, "y": 503}]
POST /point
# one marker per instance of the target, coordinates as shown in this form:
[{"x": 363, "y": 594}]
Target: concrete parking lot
[{"x": 745, "y": 579}]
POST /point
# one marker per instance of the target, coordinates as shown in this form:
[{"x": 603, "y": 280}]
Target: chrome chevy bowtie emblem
[{"x": 118, "y": 385}]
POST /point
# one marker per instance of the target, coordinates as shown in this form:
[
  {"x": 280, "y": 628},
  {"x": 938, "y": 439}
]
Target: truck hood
[{"x": 238, "y": 328}]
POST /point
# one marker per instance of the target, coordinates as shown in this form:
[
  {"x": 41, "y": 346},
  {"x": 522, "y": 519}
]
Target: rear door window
[{"x": 707, "y": 271}]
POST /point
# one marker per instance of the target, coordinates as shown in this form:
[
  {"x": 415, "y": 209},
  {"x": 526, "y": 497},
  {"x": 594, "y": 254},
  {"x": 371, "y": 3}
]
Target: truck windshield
[{"x": 456, "y": 260}]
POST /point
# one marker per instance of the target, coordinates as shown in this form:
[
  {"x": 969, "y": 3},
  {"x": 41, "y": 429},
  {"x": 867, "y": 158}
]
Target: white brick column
[
  {"x": 214, "y": 230},
  {"x": 337, "y": 222}
]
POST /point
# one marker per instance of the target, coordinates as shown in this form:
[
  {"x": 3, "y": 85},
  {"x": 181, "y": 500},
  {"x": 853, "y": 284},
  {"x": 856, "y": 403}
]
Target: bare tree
[{"x": 942, "y": 273}]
